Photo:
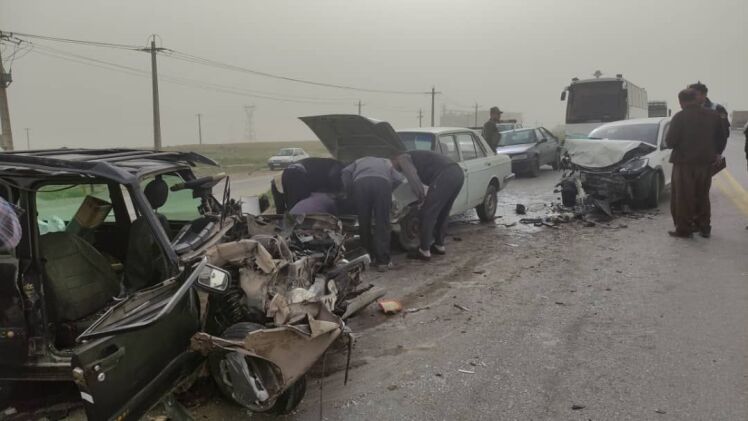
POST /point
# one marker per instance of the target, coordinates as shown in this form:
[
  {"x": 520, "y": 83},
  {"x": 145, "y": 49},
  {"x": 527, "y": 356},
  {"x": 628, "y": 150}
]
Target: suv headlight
[{"x": 635, "y": 166}]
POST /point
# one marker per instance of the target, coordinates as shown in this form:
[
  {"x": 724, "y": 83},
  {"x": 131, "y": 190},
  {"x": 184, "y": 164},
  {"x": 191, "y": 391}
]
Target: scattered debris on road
[
  {"x": 520, "y": 209},
  {"x": 466, "y": 371},
  {"x": 577, "y": 407},
  {"x": 416, "y": 309},
  {"x": 463, "y": 308},
  {"x": 390, "y": 306}
]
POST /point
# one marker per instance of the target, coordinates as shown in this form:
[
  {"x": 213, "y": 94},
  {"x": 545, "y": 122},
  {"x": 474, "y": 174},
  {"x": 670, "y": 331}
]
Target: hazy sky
[{"x": 518, "y": 54}]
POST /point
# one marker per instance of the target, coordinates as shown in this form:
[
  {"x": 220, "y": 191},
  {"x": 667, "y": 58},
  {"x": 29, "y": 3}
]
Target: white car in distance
[{"x": 286, "y": 157}]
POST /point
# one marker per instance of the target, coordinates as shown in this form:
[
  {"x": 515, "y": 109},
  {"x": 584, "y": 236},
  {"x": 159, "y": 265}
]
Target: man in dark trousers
[
  {"x": 309, "y": 175},
  {"x": 444, "y": 178},
  {"x": 697, "y": 138},
  {"x": 490, "y": 131},
  {"x": 369, "y": 181}
]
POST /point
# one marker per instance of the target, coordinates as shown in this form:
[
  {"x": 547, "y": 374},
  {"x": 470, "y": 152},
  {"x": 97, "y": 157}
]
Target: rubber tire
[
  {"x": 487, "y": 213},
  {"x": 534, "y": 170},
  {"x": 284, "y": 404},
  {"x": 654, "y": 192},
  {"x": 409, "y": 236}
]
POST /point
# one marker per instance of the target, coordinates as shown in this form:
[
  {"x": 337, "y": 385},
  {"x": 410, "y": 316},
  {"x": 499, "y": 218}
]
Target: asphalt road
[{"x": 615, "y": 321}]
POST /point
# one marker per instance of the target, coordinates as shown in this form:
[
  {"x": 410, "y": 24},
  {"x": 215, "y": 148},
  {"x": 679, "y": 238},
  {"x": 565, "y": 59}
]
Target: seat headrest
[{"x": 157, "y": 191}]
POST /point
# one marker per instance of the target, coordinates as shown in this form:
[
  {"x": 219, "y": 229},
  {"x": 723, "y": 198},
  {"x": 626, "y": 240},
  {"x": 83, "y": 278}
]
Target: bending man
[{"x": 444, "y": 178}]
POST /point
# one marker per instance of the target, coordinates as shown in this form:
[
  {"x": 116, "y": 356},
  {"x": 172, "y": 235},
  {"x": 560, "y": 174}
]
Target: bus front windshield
[{"x": 596, "y": 102}]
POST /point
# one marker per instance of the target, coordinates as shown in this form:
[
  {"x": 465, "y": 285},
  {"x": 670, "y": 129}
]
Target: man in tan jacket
[{"x": 696, "y": 138}]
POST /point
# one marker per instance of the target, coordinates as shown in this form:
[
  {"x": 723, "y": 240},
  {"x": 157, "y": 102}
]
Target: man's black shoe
[{"x": 679, "y": 234}]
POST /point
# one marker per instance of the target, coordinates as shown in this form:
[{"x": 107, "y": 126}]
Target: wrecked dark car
[
  {"x": 621, "y": 162},
  {"x": 131, "y": 276}
]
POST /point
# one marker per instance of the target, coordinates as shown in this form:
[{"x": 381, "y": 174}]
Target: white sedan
[{"x": 349, "y": 137}]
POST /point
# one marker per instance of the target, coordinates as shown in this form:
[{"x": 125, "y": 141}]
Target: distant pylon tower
[{"x": 249, "y": 128}]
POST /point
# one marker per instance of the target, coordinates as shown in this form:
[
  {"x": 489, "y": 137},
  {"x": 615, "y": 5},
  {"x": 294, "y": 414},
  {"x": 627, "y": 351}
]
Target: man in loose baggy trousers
[{"x": 697, "y": 140}]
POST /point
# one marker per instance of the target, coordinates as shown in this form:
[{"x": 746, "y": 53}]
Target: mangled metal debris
[{"x": 296, "y": 286}]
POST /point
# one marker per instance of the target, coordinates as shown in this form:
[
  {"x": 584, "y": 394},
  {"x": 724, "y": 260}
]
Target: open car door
[{"x": 134, "y": 354}]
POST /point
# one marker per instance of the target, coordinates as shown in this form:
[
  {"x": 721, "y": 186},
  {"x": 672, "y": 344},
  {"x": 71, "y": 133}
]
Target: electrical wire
[
  {"x": 207, "y": 62},
  {"x": 7, "y": 34},
  {"x": 178, "y": 55},
  {"x": 193, "y": 83}
]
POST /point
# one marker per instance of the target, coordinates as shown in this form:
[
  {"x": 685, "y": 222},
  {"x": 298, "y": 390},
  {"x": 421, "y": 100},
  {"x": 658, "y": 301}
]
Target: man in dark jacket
[
  {"x": 444, "y": 178},
  {"x": 309, "y": 175},
  {"x": 696, "y": 137},
  {"x": 369, "y": 182},
  {"x": 703, "y": 99},
  {"x": 490, "y": 131}
]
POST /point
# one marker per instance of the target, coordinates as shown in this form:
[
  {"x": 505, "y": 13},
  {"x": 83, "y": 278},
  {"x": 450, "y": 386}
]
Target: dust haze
[{"x": 515, "y": 54}]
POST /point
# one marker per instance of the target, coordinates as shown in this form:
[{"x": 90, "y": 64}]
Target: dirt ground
[{"x": 615, "y": 321}]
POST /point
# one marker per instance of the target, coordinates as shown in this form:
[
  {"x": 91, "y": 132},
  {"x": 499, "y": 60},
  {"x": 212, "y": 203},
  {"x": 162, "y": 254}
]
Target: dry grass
[{"x": 249, "y": 157}]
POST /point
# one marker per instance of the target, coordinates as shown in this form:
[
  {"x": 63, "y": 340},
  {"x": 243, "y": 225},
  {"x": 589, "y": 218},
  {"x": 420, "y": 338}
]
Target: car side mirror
[
  {"x": 214, "y": 279},
  {"x": 563, "y": 96},
  {"x": 542, "y": 140}
]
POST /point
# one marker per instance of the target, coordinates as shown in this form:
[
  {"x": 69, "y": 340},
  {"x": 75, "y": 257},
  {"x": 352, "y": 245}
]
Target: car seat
[
  {"x": 79, "y": 280},
  {"x": 145, "y": 264}
]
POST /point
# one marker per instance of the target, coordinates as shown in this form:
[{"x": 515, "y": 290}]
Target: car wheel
[
  {"x": 534, "y": 168},
  {"x": 409, "y": 236},
  {"x": 283, "y": 404},
  {"x": 487, "y": 209},
  {"x": 655, "y": 190}
]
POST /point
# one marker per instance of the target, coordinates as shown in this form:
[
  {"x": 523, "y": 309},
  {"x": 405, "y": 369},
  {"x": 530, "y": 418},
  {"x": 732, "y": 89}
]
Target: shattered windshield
[
  {"x": 517, "y": 137},
  {"x": 642, "y": 132},
  {"x": 596, "y": 102}
]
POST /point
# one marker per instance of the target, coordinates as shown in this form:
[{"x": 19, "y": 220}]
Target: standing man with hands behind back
[
  {"x": 697, "y": 138},
  {"x": 490, "y": 131}
]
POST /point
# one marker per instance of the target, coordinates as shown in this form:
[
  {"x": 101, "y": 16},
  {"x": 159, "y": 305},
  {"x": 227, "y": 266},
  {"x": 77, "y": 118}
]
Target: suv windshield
[
  {"x": 517, "y": 137},
  {"x": 417, "y": 141},
  {"x": 285, "y": 152},
  {"x": 642, "y": 132}
]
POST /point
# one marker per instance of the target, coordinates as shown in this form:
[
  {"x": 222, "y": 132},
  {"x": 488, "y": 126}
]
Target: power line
[
  {"x": 7, "y": 34},
  {"x": 192, "y": 83},
  {"x": 207, "y": 62}
]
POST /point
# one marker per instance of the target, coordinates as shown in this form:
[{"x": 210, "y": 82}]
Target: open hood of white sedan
[{"x": 349, "y": 137}]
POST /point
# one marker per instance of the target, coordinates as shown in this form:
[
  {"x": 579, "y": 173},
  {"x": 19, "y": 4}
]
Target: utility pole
[
  {"x": 476, "y": 115},
  {"x": 154, "y": 79},
  {"x": 6, "y": 137},
  {"x": 359, "y": 107},
  {"x": 420, "y": 117},
  {"x": 28, "y": 140},
  {"x": 433, "y": 101},
  {"x": 199, "y": 128}
]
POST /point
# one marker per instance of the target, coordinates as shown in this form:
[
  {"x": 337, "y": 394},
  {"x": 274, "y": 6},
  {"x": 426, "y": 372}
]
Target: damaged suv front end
[{"x": 255, "y": 300}]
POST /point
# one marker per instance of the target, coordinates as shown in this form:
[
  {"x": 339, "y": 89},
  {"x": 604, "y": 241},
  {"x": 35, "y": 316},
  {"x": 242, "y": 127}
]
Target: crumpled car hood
[
  {"x": 601, "y": 153},
  {"x": 514, "y": 149}
]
